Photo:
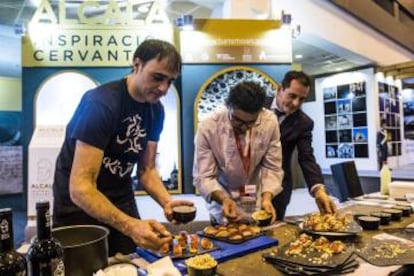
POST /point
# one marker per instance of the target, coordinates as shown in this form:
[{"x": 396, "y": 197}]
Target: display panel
[
  {"x": 213, "y": 93},
  {"x": 11, "y": 153},
  {"x": 389, "y": 110},
  {"x": 346, "y": 132}
]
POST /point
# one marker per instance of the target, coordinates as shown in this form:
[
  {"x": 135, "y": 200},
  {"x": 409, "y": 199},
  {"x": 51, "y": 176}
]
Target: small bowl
[
  {"x": 406, "y": 204},
  {"x": 194, "y": 269},
  {"x": 369, "y": 222},
  {"x": 395, "y": 213},
  {"x": 406, "y": 210},
  {"x": 262, "y": 218},
  {"x": 184, "y": 214},
  {"x": 385, "y": 218}
]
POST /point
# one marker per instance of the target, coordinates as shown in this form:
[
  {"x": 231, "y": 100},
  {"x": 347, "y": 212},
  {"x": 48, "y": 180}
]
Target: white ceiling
[{"x": 319, "y": 57}]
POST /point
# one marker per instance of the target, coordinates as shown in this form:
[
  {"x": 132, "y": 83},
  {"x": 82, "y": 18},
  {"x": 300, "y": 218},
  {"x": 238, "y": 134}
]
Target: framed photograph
[
  {"x": 346, "y": 150},
  {"x": 329, "y": 93},
  {"x": 358, "y": 89},
  {"x": 359, "y": 119},
  {"x": 331, "y": 151},
  {"x": 330, "y": 122},
  {"x": 361, "y": 150},
  {"x": 343, "y": 106},
  {"x": 345, "y": 136},
  {"x": 359, "y": 104},
  {"x": 360, "y": 135},
  {"x": 395, "y": 106},
  {"x": 381, "y": 102},
  {"x": 345, "y": 121},
  {"x": 330, "y": 107},
  {"x": 331, "y": 136},
  {"x": 387, "y": 105},
  {"x": 343, "y": 91}
]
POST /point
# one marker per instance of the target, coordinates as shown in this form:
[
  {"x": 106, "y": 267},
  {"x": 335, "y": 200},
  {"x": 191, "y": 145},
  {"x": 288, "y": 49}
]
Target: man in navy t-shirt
[{"x": 114, "y": 127}]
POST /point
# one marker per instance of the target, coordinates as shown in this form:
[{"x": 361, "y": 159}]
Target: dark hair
[
  {"x": 248, "y": 96},
  {"x": 159, "y": 49},
  {"x": 301, "y": 77}
]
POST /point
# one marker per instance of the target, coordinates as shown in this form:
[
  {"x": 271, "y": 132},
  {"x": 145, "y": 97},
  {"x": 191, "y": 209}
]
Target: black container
[
  {"x": 369, "y": 222},
  {"x": 406, "y": 210},
  {"x": 85, "y": 248},
  {"x": 395, "y": 213},
  {"x": 184, "y": 214},
  {"x": 406, "y": 204},
  {"x": 201, "y": 272},
  {"x": 385, "y": 218},
  {"x": 262, "y": 218},
  {"x": 45, "y": 255}
]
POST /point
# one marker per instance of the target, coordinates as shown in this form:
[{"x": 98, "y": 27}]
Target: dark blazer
[{"x": 296, "y": 131}]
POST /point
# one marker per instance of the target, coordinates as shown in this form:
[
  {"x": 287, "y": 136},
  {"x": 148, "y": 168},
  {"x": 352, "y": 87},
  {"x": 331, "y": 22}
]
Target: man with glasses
[
  {"x": 238, "y": 153},
  {"x": 296, "y": 132}
]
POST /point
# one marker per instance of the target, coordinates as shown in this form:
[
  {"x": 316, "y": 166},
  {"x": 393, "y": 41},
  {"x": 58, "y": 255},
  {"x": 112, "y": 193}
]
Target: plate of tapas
[
  {"x": 232, "y": 232},
  {"x": 184, "y": 246}
]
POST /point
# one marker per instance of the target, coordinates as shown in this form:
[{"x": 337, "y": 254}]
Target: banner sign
[
  {"x": 92, "y": 33},
  {"x": 236, "y": 41}
]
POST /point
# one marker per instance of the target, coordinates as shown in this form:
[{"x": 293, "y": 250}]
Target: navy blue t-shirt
[{"x": 110, "y": 119}]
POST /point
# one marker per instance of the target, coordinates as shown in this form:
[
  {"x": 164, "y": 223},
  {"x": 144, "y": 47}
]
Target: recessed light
[{"x": 298, "y": 56}]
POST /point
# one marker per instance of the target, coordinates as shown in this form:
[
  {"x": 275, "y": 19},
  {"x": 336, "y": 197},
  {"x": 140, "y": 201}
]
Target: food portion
[
  {"x": 232, "y": 232},
  {"x": 201, "y": 261},
  {"x": 186, "y": 245},
  {"x": 262, "y": 218},
  {"x": 317, "y": 251},
  {"x": 332, "y": 223}
]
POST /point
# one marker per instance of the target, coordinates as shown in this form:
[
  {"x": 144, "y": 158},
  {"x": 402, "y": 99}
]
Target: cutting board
[{"x": 225, "y": 252}]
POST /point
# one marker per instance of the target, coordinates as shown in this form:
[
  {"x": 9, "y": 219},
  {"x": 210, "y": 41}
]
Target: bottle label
[
  {"x": 4, "y": 230},
  {"x": 55, "y": 267}
]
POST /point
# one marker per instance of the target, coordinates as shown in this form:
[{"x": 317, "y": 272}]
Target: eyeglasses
[{"x": 236, "y": 121}]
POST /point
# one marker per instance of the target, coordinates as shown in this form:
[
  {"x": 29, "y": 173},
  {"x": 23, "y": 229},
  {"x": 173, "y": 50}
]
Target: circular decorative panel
[{"x": 214, "y": 91}]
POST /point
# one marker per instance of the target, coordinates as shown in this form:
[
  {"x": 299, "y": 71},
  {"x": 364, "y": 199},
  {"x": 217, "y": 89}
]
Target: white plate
[{"x": 327, "y": 233}]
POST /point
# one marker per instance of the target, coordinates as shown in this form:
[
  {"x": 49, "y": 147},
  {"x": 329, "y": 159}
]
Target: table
[{"x": 253, "y": 264}]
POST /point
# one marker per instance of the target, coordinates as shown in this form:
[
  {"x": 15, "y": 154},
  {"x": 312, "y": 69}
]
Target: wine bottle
[
  {"x": 45, "y": 254},
  {"x": 12, "y": 263}
]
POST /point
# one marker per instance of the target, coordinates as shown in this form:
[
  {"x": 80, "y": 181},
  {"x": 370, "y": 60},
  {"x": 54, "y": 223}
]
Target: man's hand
[
  {"x": 148, "y": 234},
  {"x": 324, "y": 202},
  {"x": 268, "y": 206},
  {"x": 229, "y": 208},
  {"x": 168, "y": 208}
]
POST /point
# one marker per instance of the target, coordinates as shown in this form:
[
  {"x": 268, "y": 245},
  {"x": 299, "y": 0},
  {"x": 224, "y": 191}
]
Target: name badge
[{"x": 250, "y": 189}]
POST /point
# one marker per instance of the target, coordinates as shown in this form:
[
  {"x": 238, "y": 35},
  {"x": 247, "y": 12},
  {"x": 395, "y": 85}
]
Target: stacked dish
[{"x": 307, "y": 256}]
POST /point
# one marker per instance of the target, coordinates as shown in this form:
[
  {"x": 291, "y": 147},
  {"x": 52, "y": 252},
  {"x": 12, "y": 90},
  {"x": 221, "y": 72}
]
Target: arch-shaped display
[{"x": 213, "y": 92}]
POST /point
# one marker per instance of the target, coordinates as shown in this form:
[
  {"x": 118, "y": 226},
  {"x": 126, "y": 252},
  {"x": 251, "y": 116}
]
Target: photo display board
[
  {"x": 345, "y": 110},
  {"x": 11, "y": 153},
  {"x": 389, "y": 110}
]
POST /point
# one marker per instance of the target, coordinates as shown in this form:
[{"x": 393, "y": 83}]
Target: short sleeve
[
  {"x": 158, "y": 115},
  {"x": 93, "y": 124}
]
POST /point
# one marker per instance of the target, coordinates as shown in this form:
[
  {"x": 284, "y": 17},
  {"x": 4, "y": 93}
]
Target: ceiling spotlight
[
  {"x": 19, "y": 29},
  {"x": 298, "y": 56},
  {"x": 185, "y": 22},
  {"x": 286, "y": 18}
]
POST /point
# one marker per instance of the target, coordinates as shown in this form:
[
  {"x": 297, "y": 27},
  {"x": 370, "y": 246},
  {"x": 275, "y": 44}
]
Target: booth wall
[{"x": 316, "y": 111}]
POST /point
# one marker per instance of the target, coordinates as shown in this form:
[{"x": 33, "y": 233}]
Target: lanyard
[{"x": 243, "y": 148}]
